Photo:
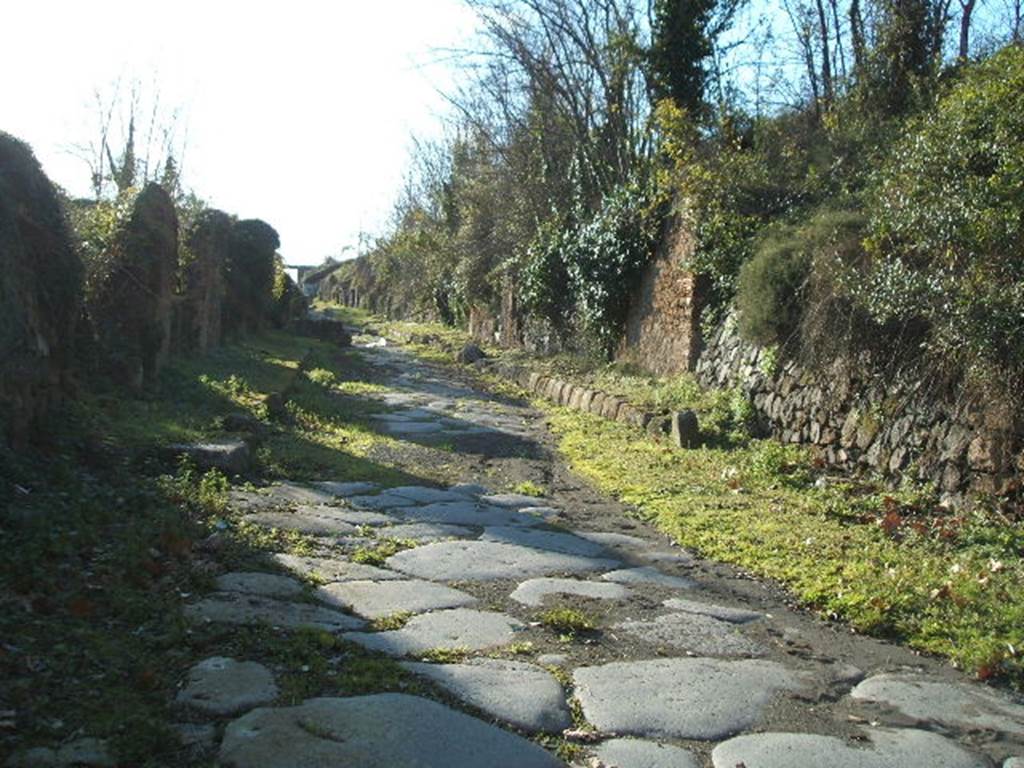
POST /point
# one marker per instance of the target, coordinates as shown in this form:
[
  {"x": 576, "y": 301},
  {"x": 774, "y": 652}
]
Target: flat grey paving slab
[
  {"x": 346, "y": 514},
  {"x": 514, "y": 692},
  {"x": 515, "y": 500},
  {"x": 723, "y": 612},
  {"x": 613, "y": 539},
  {"x": 533, "y": 591},
  {"x": 636, "y": 753},
  {"x": 693, "y": 633},
  {"x": 230, "y": 608},
  {"x": 329, "y": 569},
  {"x": 884, "y": 749},
  {"x": 469, "y": 513},
  {"x": 682, "y": 698},
  {"x": 647, "y": 575},
  {"x": 381, "y": 731},
  {"x": 254, "y": 583},
  {"x": 312, "y": 525},
  {"x": 375, "y": 599},
  {"x": 380, "y": 501},
  {"x": 223, "y": 686},
  {"x": 412, "y": 428},
  {"x": 344, "y": 488},
  {"x": 469, "y": 489},
  {"x": 551, "y": 541},
  {"x": 1014, "y": 762},
  {"x": 955, "y": 705},
  {"x": 459, "y": 628},
  {"x": 422, "y": 494},
  {"x": 425, "y": 532},
  {"x": 487, "y": 561},
  {"x": 297, "y": 493}
]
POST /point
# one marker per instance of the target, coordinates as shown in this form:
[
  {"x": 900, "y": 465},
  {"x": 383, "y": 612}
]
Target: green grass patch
[
  {"x": 445, "y": 655},
  {"x": 889, "y": 563},
  {"x": 528, "y": 488},
  {"x": 381, "y": 551},
  {"x": 567, "y": 621},
  {"x": 390, "y": 622}
]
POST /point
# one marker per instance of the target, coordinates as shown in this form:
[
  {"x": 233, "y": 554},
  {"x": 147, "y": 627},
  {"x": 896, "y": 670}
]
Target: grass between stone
[{"x": 890, "y": 563}]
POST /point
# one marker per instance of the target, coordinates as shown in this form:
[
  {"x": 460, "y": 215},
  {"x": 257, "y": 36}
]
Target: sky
[{"x": 300, "y": 113}]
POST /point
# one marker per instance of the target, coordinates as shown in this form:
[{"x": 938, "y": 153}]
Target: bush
[
  {"x": 947, "y": 224},
  {"x": 770, "y": 297}
]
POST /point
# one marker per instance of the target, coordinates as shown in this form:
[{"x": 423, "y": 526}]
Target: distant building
[{"x": 309, "y": 277}]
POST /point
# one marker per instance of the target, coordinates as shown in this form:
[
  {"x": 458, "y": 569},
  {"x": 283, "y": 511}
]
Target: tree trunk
[
  {"x": 826, "y": 57},
  {"x": 966, "y": 9},
  {"x": 857, "y": 34}
]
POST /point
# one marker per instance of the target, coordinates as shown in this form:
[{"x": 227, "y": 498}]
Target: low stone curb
[{"x": 608, "y": 406}]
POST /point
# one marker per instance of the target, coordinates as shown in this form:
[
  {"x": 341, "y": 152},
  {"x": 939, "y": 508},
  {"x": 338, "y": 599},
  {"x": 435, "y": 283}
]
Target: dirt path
[{"x": 548, "y": 626}]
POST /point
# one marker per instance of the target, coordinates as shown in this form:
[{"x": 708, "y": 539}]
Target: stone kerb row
[{"x": 608, "y": 406}]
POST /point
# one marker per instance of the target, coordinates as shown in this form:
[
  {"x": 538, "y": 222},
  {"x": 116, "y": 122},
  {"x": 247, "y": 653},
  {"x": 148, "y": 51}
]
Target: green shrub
[
  {"x": 772, "y": 286},
  {"x": 947, "y": 223}
]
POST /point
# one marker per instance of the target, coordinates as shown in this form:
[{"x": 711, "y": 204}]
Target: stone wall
[
  {"x": 859, "y": 414},
  {"x": 199, "y": 318},
  {"x": 662, "y": 333},
  {"x": 132, "y": 307},
  {"x": 40, "y": 284}
]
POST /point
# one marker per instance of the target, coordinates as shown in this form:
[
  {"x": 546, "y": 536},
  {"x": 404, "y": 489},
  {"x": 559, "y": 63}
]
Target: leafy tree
[{"x": 681, "y": 45}]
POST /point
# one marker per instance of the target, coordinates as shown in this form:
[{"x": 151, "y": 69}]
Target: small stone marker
[
  {"x": 459, "y": 628},
  {"x": 222, "y": 686},
  {"x": 886, "y": 749},
  {"x": 387, "y": 729},
  {"x": 514, "y": 692},
  {"x": 685, "y": 429}
]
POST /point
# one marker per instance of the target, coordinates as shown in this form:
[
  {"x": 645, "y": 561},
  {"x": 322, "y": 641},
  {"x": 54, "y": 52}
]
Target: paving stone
[
  {"x": 693, "y": 633},
  {"x": 469, "y": 489},
  {"x": 343, "y": 489},
  {"x": 635, "y": 753},
  {"x": 328, "y": 569},
  {"x": 265, "y": 584},
  {"x": 514, "y": 692},
  {"x": 516, "y": 500},
  {"x": 373, "y": 599},
  {"x": 386, "y": 729},
  {"x": 725, "y": 613},
  {"x": 459, "y": 628},
  {"x": 487, "y": 561},
  {"x": 682, "y": 698},
  {"x": 612, "y": 539},
  {"x": 230, "y": 456},
  {"x": 469, "y": 513},
  {"x": 251, "y": 501},
  {"x": 87, "y": 752},
  {"x": 380, "y": 501},
  {"x": 413, "y": 428},
  {"x": 422, "y": 494},
  {"x": 424, "y": 532},
  {"x": 552, "y": 659},
  {"x": 297, "y": 493},
  {"x": 346, "y": 515},
  {"x": 1014, "y": 762},
  {"x": 222, "y": 686},
  {"x": 551, "y": 541},
  {"x": 533, "y": 591},
  {"x": 312, "y": 525},
  {"x": 955, "y": 705},
  {"x": 647, "y": 575},
  {"x": 886, "y": 749},
  {"x": 229, "y": 608}
]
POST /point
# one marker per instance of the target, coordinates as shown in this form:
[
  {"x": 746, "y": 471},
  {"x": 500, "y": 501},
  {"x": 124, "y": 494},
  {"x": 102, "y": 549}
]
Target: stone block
[{"x": 685, "y": 429}]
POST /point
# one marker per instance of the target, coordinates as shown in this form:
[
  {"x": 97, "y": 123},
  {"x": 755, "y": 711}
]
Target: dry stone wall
[
  {"x": 40, "y": 284},
  {"x": 199, "y": 325},
  {"x": 858, "y": 416}
]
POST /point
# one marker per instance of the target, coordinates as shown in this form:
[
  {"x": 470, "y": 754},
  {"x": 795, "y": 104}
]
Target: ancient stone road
[{"x": 691, "y": 664}]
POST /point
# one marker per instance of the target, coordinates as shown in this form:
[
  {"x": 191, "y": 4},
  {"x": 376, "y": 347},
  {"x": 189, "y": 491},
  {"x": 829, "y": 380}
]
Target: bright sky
[{"x": 299, "y": 113}]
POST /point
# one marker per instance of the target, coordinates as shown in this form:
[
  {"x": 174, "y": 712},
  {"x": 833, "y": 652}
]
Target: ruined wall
[
  {"x": 40, "y": 284},
  {"x": 662, "y": 333},
  {"x": 859, "y": 414},
  {"x": 249, "y": 276},
  {"x": 483, "y": 325},
  {"x": 199, "y": 316},
  {"x": 131, "y": 305}
]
